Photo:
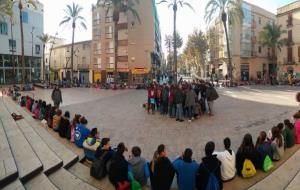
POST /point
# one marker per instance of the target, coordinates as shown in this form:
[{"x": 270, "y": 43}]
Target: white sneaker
[
  {"x": 190, "y": 120},
  {"x": 193, "y": 118}
]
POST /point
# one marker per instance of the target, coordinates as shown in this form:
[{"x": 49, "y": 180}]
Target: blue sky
[{"x": 187, "y": 19}]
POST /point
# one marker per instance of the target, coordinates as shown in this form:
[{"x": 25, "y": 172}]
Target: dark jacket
[
  {"x": 264, "y": 150},
  {"x": 178, "y": 96},
  {"x": 99, "y": 152},
  {"x": 211, "y": 94},
  {"x": 213, "y": 165},
  {"x": 165, "y": 94},
  {"x": 118, "y": 170},
  {"x": 163, "y": 175},
  {"x": 247, "y": 153},
  {"x": 63, "y": 127},
  {"x": 56, "y": 96}
]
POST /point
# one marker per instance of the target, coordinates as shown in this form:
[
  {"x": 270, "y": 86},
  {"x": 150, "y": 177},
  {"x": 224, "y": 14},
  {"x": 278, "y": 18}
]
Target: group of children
[{"x": 215, "y": 168}]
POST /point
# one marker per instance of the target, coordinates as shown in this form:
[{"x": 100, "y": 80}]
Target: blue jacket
[
  {"x": 186, "y": 173},
  {"x": 81, "y": 133}
]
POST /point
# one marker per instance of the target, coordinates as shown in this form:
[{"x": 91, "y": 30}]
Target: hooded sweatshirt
[
  {"x": 228, "y": 169},
  {"x": 163, "y": 174},
  {"x": 186, "y": 173},
  {"x": 138, "y": 165}
]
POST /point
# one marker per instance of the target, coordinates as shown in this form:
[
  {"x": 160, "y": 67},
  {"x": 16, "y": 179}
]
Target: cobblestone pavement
[{"x": 120, "y": 116}]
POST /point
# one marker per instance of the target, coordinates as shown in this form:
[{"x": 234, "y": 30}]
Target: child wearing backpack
[
  {"x": 247, "y": 158},
  {"x": 208, "y": 176}
]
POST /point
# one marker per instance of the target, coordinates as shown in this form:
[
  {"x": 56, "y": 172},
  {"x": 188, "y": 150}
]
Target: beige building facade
[
  {"x": 139, "y": 44},
  {"x": 61, "y": 62},
  {"x": 251, "y": 61},
  {"x": 288, "y": 59}
]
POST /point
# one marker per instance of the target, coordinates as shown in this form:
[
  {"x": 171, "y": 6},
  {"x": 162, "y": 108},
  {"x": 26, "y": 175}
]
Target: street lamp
[{"x": 30, "y": 65}]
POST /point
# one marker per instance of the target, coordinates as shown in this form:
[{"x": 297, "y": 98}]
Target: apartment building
[
  {"x": 139, "y": 44},
  {"x": 250, "y": 60},
  {"x": 61, "y": 62},
  {"x": 10, "y": 48},
  {"x": 288, "y": 58}
]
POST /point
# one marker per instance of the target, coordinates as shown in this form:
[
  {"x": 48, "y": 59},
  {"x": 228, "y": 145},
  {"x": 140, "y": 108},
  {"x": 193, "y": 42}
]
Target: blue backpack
[{"x": 212, "y": 183}]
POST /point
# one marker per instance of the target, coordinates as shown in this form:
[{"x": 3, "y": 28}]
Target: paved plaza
[{"x": 120, "y": 116}]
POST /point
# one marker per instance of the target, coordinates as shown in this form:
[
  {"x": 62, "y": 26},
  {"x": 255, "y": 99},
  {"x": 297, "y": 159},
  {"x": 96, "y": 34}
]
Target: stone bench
[
  {"x": 67, "y": 156},
  {"x": 27, "y": 162},
  {"x": 40, "y": 182},
  {"x": 49, "y": 159},
  {"x": 8, "y": 168},
  {"x": 15, "y": 185},
  {"x": 83, "y": 172},
  {"x": 63, "y": 179},
  {"x": 295, "y": 183}
]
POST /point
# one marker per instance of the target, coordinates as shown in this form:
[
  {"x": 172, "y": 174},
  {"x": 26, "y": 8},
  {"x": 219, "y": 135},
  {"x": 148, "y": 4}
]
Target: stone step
[
  {"x": 28, "y": 163},
  {"x": 282, "y": 176},
  {"x": 8, "y": 168},
  {"x": 83, "y": 172},
  {"x": 49, "y": 159},
  {"x": 63, "y": 179},
  {"x": 39, "y": 182},
  {"x": 15, "y": 185},
  {"x": 295, "y": 183},
  {"x": 67, "y": 156}
]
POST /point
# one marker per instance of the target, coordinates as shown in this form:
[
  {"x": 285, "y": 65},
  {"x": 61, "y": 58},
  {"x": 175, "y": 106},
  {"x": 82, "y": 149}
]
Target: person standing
[
  {"x": 211, "y": 95},
  {"x": 190, "y": 102},
  {"x": 56, "y": 96},
  {"x": 178, "y": 101}
]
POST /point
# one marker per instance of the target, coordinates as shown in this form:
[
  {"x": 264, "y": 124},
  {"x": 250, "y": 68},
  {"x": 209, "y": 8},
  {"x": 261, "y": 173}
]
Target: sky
[{"x": 187, "y": 19}]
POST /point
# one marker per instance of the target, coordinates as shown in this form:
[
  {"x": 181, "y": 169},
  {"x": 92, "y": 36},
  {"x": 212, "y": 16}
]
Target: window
[
  {"x": 24, "y": 17},
  {"x": 290, "y": 36},
  {"x": 83, "y": 60},
  {"x": 299, "y": 53},
  {"x": 290, "y": 54},
  {"x": 37, "y": 49},
  {"x": 98, "y": 46},
  {"x": 111, "y": 60},
  {"x": 259, "y": 20},
  {"x": 99, "y": 61},
  {"x": 259, "y": 49},
  {"x": 12, "y": 45},
  {"x": 3, "y": 28},
  {"x": 290, "y": 20},
  {"x": 109, "y": 31}
]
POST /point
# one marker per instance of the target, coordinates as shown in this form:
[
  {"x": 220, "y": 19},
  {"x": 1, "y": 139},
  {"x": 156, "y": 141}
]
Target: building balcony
[
  {"x": 110, "y": 50},
  {"x": 97, "y": 66},
  {"x": 109, "y": 35},
  {"x": 290, "y": 42},
  {"x": 109, "y": 19},
  {"x": 122, "y": 58},
  {"x": 83, "y": 66},
  {"x": 254, "y": 53},
  {"x": 289, "y": 60},
  {"x": 122, "y": 26}
]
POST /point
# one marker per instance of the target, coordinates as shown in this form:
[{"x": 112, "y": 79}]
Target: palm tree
[
  {"x": 119, "y": 6},
  {"x": 45, "y": 39},
  {"x": 6, "y": 10},
  {"x": 225, "y": 10},
  {"x": 174, "y": 4},
  {"x": 73, "y": 16},
  {"x": 270, "y": 37},
  {"x": 21, "y": 6}
]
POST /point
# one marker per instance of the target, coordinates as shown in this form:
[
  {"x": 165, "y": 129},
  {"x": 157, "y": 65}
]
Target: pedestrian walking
[{"x": 211, "y": 95}]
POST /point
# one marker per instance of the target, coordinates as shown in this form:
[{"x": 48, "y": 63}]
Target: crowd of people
[
  {"x": 134, "y": 172},
  {"x": 189, "y": 100}
]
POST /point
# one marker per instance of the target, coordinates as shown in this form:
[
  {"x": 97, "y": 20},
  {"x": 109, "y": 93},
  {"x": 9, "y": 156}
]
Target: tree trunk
[
  {"x": 174, "y": 41},
  {"x": 43, "y": 77},
  {"x": 22, "y": 44},
  {"x": 229, "y": 65},
  {"x": 72, "y": 51},
  {"x": 12, "y": 50},
  {"x": 116, "y": 51}
]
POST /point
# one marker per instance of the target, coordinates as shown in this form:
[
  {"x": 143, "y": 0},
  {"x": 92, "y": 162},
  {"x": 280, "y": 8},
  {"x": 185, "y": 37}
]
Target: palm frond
[
  {"x": 83, "y": 25},
  {"x": 66, "y": 20},
  {"x": 134, "y": 13},
  {"x": 162, "y": 1}
]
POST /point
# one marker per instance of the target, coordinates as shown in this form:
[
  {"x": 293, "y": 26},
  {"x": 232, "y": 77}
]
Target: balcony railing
[
  {"x": 109, "y": 35},
  {"x": 290, "y": 60},
  {"x": 110, "y": 50},
  {"x": 83, "y": 66},
  {"x": 108, "y": 19}
]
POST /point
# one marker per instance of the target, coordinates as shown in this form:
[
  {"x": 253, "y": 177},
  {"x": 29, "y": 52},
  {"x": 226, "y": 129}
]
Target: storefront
[
  {"x": 96, "y": 76},
  {"x": 140, "y": 75}
]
